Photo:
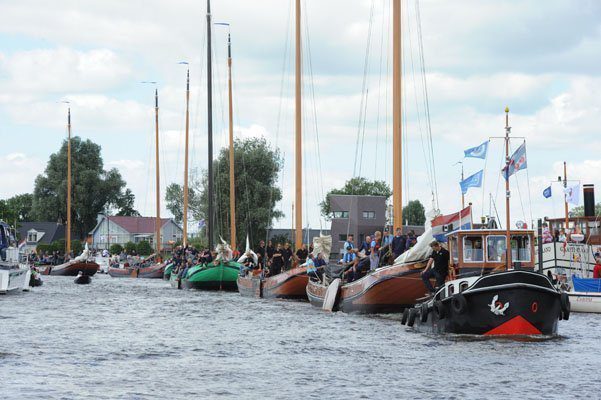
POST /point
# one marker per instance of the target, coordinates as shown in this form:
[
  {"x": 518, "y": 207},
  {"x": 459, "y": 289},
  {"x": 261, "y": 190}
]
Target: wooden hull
[
  {"x": 152, "y": 272},
  {"x": 387, "y": 290},
  {"x": 72, "y": 269},
  {"x": 290, "y": 284}
]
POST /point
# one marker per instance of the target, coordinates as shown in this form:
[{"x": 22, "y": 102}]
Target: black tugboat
[
  {"x": 481, "y": 301},
  {"x": 496, "y": 290}
]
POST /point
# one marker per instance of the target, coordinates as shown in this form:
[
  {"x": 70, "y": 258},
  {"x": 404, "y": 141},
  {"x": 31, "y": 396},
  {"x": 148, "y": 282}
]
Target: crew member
[{"x": 438, "y": 266}]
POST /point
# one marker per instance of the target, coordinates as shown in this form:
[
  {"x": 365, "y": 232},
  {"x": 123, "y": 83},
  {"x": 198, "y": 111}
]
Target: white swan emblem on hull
[{"x": 496, "y": 307}]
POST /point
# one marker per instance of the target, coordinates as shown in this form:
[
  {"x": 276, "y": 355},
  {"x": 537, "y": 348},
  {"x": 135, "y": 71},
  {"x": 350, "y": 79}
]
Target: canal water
[{"x": 140, "y": 339}]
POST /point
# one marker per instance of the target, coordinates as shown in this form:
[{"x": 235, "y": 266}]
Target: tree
[
  {"x": 579, "y": 211},
  {"x": 357, "y": 186},
  {"x": 144, "y": 248},
  {"x": 16, "y": 208},
  {"x": 256, "y": 167},
  {"x": 93, "y": 188},
  {"x": 116, "y": 248},
  {"x": 77, "y": 247},
  {"x": 414, "y": 213},
  {"x": 280, "y": 238},
  {"x": 130, "y": 248}
]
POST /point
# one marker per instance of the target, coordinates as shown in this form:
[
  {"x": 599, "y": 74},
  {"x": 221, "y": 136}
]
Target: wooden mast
[
  {"x": 565, "y": 185},
  {"x": 210, "y": 210},
  {"x": 68, "y": 233},
  {"x": 298, "y": 198},
  {"x": 157, "y": 223},
  {"x": 231, "y": 123},
  {"x": 507, "y": 192},
  {"x": 185, "y": 216},
  {"x": 397, "y": 134}
]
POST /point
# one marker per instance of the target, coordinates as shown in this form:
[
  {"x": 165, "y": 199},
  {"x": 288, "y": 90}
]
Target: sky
[{"x": 478, "y": 57}]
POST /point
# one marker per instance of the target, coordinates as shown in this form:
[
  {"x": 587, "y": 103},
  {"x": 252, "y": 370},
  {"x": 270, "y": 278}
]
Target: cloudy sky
[{"x": 540, "y": 60}]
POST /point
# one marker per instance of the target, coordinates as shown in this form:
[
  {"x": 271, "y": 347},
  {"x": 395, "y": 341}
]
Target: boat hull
[
  {"x": 72, "y": 269},
  {"x": 585, "y": 302},
  {"x": 13, "y": 279},
  {"x": 387, "y": 290},
  {"x": 291, "y": 284},
  {"x": 512, "y": 303},
  {"x": 222, "y": 276},
  {"x": 152, "y": 272}
]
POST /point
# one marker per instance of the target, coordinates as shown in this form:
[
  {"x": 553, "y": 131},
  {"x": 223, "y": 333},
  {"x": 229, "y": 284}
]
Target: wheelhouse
[{"x": 485, "y": 250}]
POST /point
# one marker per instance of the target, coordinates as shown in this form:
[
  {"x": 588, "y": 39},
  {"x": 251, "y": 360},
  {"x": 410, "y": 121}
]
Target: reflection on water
[{"x": 138, "y": 339}]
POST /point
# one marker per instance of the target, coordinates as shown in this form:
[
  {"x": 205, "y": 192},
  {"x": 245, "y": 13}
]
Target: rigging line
[
  {"x": 387, "y": 88},
  {"x": 426, "y": 98},
  {"x": 500, "y": 174},
  {"x": 363, "y": 87},
  {"x": 379, "y": 97},
  {"x": 529, "y": 195},
  {"x": 363, "y": 132},
  {"x": 484, "y": 180}
]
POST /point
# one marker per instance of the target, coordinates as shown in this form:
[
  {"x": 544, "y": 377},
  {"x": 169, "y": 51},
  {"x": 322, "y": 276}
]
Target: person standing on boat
[
  {"x": 269, "y": 250},
  {"x": 261, "y": 253},
  {"x": 438, "y": 266},
  {"x": 398, "y": 243},
  {"x": 597, "y": 269},
  {"x": 374, "y": 255},
  {"x": 287, "y": 255},
  {"x": 302, "y": 254},
  {"x": 277, "y": 262}
]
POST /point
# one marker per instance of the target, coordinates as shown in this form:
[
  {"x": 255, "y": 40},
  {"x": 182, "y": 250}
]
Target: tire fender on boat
[
  {"x": 411, "y": 318},
  {"x": 458, "y": 303},
  {"x": 405, "y": 316},
  {"x": 423, "y": 312},
  {"x": 439, "y": 309},
  {"x": 565, "y": 306}
]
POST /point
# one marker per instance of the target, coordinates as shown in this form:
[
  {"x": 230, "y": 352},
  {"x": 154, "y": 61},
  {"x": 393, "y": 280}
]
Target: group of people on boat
[
  {"x": 558, "y": 235},
  {"x": 275, "y": 258},
  {"x": 183, "y": 258}
]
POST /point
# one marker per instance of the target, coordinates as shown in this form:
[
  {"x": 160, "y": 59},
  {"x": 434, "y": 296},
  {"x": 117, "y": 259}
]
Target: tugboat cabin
[{"x": 483, "y": 251}]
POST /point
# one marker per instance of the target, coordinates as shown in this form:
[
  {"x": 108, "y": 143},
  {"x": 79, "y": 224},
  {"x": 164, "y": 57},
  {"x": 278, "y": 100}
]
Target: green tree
[
  {"x": 116, "y": 248},
  {"x": 256, "y": 167},
  {"x": 414, "y": 213},
  {"x": 579, "y": 211},
  {"x": 129, "y": 247},
  {"x": 144, "y": 248},
  {"x": 76, "y": 247},
  {"x": 357, "y": 186},
  {"x": 16, "y": 208},
  {"x": 280, "y": 238},
  {"x": 93, "y": 188}
]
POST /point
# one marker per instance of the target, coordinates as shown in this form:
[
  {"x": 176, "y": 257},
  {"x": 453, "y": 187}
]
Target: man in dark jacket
[
  {"x": 438, "y": 266},
  {"x": 398, "y": 243}
]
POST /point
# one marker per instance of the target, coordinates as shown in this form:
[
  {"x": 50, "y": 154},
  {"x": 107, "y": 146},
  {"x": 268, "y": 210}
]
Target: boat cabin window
[
  {"x": 495, "y": 248},
  {"x": 520, "y": 248},
  {"x": 454, "y": 250},
  {"x": 3, "y": 237},
  {"x": 451, "y": 290},
  {"x": 472, "y": 249},
  {"x": 462, "y": 286}
]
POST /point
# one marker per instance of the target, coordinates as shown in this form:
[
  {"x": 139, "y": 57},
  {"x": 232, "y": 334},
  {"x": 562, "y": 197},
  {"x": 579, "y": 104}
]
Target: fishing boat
[
  {"x": 290, "y": 284},
  {"x": 394, "y": 287},
  {"x": 219, "y": 273},
  {"x": 13, "y": 275},
  {"x": 496, "y": 290}
]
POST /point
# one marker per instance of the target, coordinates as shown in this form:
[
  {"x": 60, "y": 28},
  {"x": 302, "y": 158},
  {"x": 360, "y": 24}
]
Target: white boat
[
  {"x": 585, "y": 295},
  {"x": 13, "y": 275}
]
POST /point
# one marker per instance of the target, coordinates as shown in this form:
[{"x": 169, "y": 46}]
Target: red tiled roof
[{"x": 137, "y": 224}]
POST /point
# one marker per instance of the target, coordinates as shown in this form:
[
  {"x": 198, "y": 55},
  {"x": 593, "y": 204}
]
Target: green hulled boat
[
  {"x": 222, "y": 276},
  {"x": 167, "y": 272}
]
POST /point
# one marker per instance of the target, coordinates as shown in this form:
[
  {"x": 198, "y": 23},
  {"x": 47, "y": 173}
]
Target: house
[
  {"x": 31, "y": 234},
  {"x": 111, "y": 230}
]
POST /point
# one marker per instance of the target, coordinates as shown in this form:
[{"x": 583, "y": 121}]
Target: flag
[
  {"x": 517, "y": 161},
  {"x": 572, "y": 194},
  {"x": 471, "y": 181},
  {"x": 445, "y": 224},
  {"x": 477, "y": 152},
  {"x": 547, "y": 192}
]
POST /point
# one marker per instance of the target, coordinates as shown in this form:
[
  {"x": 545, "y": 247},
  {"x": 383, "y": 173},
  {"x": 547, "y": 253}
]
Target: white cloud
[{"x": 18, "y": 173}]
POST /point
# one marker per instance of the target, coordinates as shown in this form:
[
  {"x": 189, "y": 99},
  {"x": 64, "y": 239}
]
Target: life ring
[
  {"x": 565, "y": 306},
  {"x": 412, "y": 315},
  {"x": 423, "y": 312},
  {"x": 405, "y": 316},
  {"x": 458, "y": 303},
  {"x": 439, "y": 309}
]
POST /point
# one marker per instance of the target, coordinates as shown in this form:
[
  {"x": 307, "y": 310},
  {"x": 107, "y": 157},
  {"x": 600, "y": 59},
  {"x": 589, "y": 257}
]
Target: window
[
  {"x": 340, "y": 214},
  {"x": 32, "y": 236},
  {"x": 520, "y": 248},
  {"x": 369, "y": 215},
  {"x": 472, "y": 249},
  {"x": 454, "y": 250},
  {"x": 496, "y": 248},
  {"x": 342, "y": 237}
]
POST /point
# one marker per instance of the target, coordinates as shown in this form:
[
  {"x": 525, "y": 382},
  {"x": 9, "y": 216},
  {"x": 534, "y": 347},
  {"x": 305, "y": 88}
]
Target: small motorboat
[
  {"x": 35, "y": 279},
  {"x": 83, "y": 279},
  {"x": 585, "y": 297}
]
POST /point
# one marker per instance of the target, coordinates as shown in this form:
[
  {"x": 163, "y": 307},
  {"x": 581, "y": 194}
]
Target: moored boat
[
  {"x": 585, "y": 296},
  {"x": 82, "y": 263},
  {"x": 211, "y": 276},
  {"x": 13, "y": 275},
  {"x": 291, "y": 284}
]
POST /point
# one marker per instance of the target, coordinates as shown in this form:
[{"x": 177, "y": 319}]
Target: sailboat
[
  {"x": 82, "y": 263},
  {"x": 289, "y": 284},
  {"x": 222, "y": 272}
]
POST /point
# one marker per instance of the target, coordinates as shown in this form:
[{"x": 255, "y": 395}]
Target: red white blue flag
[{"x": 516, "y": 162}]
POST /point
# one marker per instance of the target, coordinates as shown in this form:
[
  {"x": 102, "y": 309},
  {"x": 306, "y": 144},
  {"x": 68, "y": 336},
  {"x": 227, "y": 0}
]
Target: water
[{"x": 140, "y": 339}]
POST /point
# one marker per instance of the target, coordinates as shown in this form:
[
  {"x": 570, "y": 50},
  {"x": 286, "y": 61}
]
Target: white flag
[{"x": 572, "y": 194}]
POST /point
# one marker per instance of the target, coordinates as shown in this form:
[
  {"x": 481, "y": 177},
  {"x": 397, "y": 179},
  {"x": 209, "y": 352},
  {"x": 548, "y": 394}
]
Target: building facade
[
  {"x": 31, "y": 234},
  {"x": 120, "y": 230}
]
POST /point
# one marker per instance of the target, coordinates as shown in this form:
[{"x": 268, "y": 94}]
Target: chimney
[{"x": 589, "y": 200}]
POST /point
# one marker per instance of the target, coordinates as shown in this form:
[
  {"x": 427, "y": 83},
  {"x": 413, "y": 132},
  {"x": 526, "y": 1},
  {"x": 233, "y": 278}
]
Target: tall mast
[
  {"x": 397, "y": 108},
  {"x": 209, "y": 128},
  {"x": 462, "y": 195},
  {"x": 298, "y": 133},
  {"x": 507, "y": 192},
  {"x": 69, "y": 181},
  {"x": 565, "y": 185},
  {"x": 185, "y": 216},
  {"x": 231, "y": 118},
  {"x": 157, "y": 224}
]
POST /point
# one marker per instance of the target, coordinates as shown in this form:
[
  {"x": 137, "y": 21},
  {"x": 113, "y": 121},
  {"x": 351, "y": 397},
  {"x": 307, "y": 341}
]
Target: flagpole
[
  {"x": 507, "y": 192},
  {"x": 565, "y": 185}
]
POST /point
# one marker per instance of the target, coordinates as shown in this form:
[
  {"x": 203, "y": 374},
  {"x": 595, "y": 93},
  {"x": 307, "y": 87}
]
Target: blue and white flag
[
  {"x": 472, "y": 181},
  {"x": 547, "y": 192},
  {"x": 477, "y": 152},
  {"x": 516, "y": 162}
]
